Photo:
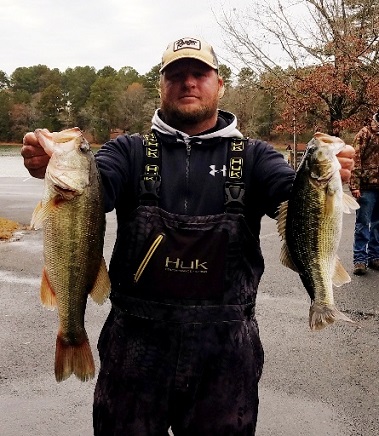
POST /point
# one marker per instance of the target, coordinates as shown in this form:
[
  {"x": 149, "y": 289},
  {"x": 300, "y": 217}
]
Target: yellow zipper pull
[{"x": 148, "y": 256}]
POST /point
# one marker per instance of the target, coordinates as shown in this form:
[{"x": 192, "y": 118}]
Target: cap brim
[{"x": 198, "y": 58}]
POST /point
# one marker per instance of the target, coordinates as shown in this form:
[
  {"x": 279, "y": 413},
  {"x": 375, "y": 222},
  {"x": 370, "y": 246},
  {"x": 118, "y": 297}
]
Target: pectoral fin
[
  {"x": 282, "y": 218},
  {"x": 48, "y": 298},
  {"x": 102, "y": 285},
  {"x": 43, "y": 210},
  {"x": 285, "y": 256},
  {"x": 286, "y": 259},
  {"x": 349, "y": 203},
  {"x": 340, "y": 276}
]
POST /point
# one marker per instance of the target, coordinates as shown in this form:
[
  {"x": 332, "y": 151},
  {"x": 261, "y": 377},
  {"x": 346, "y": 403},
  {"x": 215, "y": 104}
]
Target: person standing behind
[{"x": 364, "y": 186}]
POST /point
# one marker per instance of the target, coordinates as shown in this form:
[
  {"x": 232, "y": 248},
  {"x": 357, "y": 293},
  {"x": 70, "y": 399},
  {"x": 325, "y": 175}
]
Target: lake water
[{"x": 11, "y": 163}]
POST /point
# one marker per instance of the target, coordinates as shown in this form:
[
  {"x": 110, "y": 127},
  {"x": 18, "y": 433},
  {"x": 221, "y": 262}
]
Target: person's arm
[
  {"x": 274, "y": 176},
  {"x": 355, "y": 181},
  {"x": 113, "y": 161}
]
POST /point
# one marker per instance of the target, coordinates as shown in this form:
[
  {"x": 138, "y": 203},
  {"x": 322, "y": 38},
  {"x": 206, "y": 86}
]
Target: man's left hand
[{"x": 346, "y": 159}]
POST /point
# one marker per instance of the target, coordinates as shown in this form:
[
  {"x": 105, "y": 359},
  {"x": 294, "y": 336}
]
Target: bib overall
[{"x": 181, "y": 346}]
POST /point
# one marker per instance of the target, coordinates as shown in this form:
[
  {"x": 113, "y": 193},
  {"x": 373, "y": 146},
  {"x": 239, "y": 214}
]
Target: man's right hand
[
  {"x": 35, "y": 157},
  {"x": 356, "y": 193}
]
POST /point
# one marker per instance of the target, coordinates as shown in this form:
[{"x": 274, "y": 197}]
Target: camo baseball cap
[{"x": 192, "y": 48}]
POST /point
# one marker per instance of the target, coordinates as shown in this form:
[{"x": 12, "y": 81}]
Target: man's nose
[{"x": 189, "y": 79}]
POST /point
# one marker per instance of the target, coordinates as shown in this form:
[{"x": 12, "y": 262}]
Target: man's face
[{"x": 189, "y": 92}]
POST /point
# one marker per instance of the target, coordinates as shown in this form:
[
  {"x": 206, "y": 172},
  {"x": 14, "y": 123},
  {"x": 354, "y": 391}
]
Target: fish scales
[
  {"x": 318, "y": 231},
  {"x": 74, "y": 243},
  {"x": 310, "y": 224},
  {"x": 72, "y": 215}
]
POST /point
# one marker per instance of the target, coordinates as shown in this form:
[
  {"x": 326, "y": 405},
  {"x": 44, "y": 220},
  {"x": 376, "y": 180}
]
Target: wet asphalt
[{"x": 313, "y": 384}]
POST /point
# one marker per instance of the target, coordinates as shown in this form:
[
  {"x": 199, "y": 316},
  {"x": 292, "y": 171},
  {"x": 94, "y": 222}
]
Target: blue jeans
[{"x": 366, "y": 232}]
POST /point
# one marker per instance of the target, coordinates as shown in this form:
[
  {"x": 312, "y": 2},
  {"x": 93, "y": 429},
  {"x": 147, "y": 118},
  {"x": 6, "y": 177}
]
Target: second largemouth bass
[{"x": 310, "y": 224}]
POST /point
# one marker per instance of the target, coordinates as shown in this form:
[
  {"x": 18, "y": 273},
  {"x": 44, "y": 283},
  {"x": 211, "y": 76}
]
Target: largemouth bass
[
  {"x": 72, "y": 215},
  {"x": 310, "y": 224}
]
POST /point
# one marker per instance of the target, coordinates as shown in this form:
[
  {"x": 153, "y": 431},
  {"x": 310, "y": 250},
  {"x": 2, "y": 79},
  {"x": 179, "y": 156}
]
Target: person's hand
[
  {"x": 346, "y": 160},
  {"x": 356, "y": 193},
  {"x": 35, "y": 157}
]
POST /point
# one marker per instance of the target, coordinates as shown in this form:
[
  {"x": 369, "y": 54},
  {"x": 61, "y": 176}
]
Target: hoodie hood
[{"x": 227, "y": 123}]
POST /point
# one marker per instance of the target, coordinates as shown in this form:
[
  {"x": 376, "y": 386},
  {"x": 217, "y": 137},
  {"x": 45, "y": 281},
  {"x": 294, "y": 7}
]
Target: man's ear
[{"x": 221, "y": 89}]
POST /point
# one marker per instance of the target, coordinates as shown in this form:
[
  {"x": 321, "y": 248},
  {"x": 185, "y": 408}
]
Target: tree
[
  {"x": 102, "y": 105},
  {"x": 4, "y": 80},
  {"x": 150, "y": 82},
  {"x": 5, "y": 119},
  {"x": 226, "y": 73},
  {"x": 133, "y": 116},
  {"x": 242, "y": 100},
  {"x": 328, "y": 59},
  {"x": 51, "y": 105},
  {"x": 34, "y": 79},
  {"x": 77, "y": 84},
  {"x": 129, "y": 75},
  {"x": 107, "y": 71}
]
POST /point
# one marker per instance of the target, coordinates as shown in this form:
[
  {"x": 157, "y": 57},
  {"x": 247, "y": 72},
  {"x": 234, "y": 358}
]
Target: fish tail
[
  {"x": 321, "y": 315},
  {"x": 73, "y": 359}
]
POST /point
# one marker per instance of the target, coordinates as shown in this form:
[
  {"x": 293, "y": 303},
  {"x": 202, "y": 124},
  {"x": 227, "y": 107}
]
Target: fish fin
[
  {"x": 282, "y": 217},
  {"x": 340, "y": 276},
  {"x": 38, "y": 217},
  {"x": 286, "y": 259},
  {"x": 48, "y": 298},
  {"x": 73, "y": 359},
  {"x": 285, "y": 256},
  {"x": 321, "y": 315},
  {"x": 102, "y": 285},
  {"x": 42, "y": 211},
  {"x": 349, "y": 203}
]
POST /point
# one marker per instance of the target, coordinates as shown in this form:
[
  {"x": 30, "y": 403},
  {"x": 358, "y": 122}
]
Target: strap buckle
[{"x": 234, "y": 195}]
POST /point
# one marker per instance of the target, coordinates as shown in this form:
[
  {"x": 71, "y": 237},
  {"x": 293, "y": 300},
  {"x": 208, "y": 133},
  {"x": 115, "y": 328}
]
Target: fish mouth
[{"x": 66, "y": 193}]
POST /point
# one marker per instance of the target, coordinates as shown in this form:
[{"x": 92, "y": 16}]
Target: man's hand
[
  {"x": 35, "y": 158},
  {"x": 346, "y": 159},
  {"x": 356, "y": 193}
]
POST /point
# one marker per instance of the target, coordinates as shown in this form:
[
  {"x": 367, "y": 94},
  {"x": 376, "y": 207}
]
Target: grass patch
[{"x": 8, "y": 227}]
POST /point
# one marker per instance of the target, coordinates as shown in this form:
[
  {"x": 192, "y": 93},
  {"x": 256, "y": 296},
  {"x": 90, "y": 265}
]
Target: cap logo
[{"x": 187, "y": 43}]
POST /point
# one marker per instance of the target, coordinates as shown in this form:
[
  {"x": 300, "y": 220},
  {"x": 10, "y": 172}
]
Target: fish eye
[{"x": 84, "y": 147}]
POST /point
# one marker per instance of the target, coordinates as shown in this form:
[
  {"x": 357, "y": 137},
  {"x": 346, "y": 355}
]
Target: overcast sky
[{"x": 70, "y": 33}]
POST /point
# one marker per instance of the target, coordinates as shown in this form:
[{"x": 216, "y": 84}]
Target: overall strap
[
  {"x": 234, "y": 184},
  {"x": 150, "y": 180}
]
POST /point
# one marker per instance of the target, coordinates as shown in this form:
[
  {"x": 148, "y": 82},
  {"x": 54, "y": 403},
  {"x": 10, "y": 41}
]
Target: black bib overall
[{"x": 181, "y": 345}]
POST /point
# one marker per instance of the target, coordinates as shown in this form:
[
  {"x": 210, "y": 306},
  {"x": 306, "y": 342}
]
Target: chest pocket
[
  {"x": 183, "y": 263},
  {"x": 185, "y": 257}
]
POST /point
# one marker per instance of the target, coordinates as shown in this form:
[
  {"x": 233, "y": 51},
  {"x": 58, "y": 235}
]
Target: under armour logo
[{"x": 213, "y": 170}]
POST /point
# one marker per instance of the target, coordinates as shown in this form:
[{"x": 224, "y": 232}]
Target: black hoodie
[{"x": 193, "y": 172}]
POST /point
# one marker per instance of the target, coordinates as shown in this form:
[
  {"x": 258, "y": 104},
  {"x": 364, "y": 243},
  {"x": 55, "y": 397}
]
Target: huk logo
[
  {"x": 214, "y": 171},
  {"x": 189, "y": 266}
]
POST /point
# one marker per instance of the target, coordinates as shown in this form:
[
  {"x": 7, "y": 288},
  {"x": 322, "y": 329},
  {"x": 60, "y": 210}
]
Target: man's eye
[{"x": 175, "y": 77}]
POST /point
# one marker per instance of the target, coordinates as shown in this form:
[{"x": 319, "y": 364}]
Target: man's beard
[{"x": 174, "y": 115}]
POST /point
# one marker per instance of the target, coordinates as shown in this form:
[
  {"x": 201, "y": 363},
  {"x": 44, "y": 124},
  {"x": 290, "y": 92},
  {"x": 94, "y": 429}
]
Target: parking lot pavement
[{"x": 322, "y": 383}]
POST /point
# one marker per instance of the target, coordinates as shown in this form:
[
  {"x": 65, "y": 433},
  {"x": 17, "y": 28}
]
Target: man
[
  {"x": 364, "y": 186},
  {"x": 181, "y": 345}
]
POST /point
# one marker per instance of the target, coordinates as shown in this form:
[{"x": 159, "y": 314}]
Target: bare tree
[{"x": 320, "y": 55}]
